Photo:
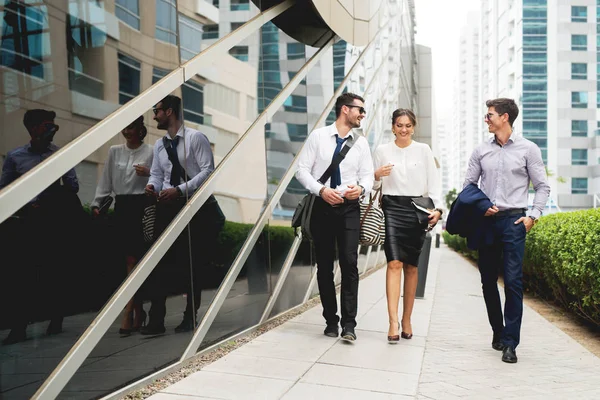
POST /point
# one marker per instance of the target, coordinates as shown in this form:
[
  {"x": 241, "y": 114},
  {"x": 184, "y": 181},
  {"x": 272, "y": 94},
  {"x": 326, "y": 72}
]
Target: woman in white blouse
[
  {"x": 404, "y": 169},
  {"x": 126, "y": 175}
]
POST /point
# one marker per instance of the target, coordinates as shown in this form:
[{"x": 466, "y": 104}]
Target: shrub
[{"x": 562, "y": 260}]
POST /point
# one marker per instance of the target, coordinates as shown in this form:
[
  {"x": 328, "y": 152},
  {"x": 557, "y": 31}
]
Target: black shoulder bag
[{"x": 303, "y": 213}]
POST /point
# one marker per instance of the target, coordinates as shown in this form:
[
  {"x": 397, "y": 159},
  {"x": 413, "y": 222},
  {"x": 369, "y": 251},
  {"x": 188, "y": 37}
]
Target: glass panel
[
  {"x": 579, "y": 42},
  {"x": 128, "y": 11},
  {"x": 579, "y": 185},
  {"x": 579, "y": 157},
  {"x": 578, "y": 14},
  {"x": 77, "y": 61},
  {"x": 302, "y": 267}
]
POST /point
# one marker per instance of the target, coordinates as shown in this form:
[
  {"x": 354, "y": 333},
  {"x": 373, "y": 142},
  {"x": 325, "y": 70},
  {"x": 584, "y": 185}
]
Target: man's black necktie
[
  {"x": 336, "y": 176},
  {"x": 176, "y": 170}
]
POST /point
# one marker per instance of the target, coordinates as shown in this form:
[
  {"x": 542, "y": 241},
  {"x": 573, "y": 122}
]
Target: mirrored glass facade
[{"x": 203, "y": 146}]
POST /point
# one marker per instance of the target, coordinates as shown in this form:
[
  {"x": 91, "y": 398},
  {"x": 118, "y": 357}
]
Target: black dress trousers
[{"x": 339, "y": 226}]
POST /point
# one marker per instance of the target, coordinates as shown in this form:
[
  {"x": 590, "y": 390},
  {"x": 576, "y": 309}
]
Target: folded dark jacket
[{"x": 466, "y": 217}]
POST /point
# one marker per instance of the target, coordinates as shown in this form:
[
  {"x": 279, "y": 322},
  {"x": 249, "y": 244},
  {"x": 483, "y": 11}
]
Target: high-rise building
[
  {"x": 541, "y": 53},
  {"x": 255, "y": 77},
  {"x": 468, "y": 116}
]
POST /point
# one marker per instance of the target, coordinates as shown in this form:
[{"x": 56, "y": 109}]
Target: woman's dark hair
[
  {"x": 404, "y": 112},
  {"x": 139, "y": 125}
]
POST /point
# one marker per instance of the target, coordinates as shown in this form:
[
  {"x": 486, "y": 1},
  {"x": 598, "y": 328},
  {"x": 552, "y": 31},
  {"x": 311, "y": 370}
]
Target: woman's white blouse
[
  {"x": 414, "y": 172},
  {"x": 119, "y": 176}
]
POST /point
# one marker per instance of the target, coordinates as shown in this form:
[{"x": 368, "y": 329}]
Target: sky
[{"x": 439, "y": 23}]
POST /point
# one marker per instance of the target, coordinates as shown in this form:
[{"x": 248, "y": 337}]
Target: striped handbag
[
  {"x": 372, "y": 221},
  {"x": 148, "y": 222}
]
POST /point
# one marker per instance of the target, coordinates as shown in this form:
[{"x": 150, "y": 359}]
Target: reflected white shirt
[
  {"x": 119, "y": 175},
  {"x": 195, "y": 157},
  {"x": 414, "y": 172},
  {"x": 316, "y": 156}
]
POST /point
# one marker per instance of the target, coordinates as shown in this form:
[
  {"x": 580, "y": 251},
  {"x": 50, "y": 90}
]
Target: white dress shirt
[
  {"x": 414, "y": 172},
  {"x": 195, "y": 157},
  {"x": 316, "y": 156},
  {"x": 119, "y": 176}
]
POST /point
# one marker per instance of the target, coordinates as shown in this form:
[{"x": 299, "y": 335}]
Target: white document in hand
[{"x": 422, "y": 208}]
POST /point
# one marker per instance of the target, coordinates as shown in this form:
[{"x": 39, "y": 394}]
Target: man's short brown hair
[
  {"x": 345, "y": 99},
  {"x": 505, "y": 106}
]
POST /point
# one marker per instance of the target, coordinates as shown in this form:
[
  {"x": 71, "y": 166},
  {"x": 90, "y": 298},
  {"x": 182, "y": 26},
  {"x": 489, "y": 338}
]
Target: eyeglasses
[
  {"x": 488, "y": 116},
  {"x": 361, "y": 109},
  {"x": 155, "y": 110}
]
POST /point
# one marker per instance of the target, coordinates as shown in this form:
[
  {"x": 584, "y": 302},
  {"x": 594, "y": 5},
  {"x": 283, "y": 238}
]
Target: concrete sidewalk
[{"x": 449, "y": 357}]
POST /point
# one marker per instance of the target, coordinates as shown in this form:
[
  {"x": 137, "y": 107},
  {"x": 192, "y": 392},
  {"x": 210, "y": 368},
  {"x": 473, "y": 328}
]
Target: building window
[
  {"x": 579, "y": 185},
  {"x": 129, "y": 78},
  {"x": 578, "y": 71},
  {"x": 240, "y": 5},
  {"x": 297, "y": 132},
  {"x": 240, "y": 52},
  {"x": 210, "y": 32},
  {"x": 236, "y": 25},
  {"x": 25, "y": 40},
  {"x": 158, "y": 74},
  {"x": 579, "y": 128},
  {"x": 579, "y": 157},
  {"x": 579, "y": 99},
  {"x": 579, "y": 42},
  {"x": 83, "y": 40},
  {"x": 190, "y": 37},
  {"x": 215, "y": 3},
  {"x": 295, "y": 104},
  {"x": 166, "y": 21},
  {"x": 578, "y": 14},
  {"x": 193, "y": 102},
  {"x": 295, "y": 51},
  {"x": 128, "y": 11}
]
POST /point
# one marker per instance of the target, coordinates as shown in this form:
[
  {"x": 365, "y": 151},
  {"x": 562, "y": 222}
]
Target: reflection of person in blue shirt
[
  {"x": 42, "y": 273},
  {"x": 41, "y": 127}
]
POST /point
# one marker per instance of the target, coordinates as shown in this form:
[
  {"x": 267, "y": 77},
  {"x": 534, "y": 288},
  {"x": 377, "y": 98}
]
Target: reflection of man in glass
[
  {"x": 38, "y": 273},
  {"x": 178, "y": 169}
]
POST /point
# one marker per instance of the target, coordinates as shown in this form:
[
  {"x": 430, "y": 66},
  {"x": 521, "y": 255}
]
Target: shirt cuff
[{"x": 535, "y": 213}]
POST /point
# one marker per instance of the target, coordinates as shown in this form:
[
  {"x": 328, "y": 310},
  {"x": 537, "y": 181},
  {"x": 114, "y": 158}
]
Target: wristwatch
[
  {"x": 321, "y": 191},
  {"x": 534, "y": 219},
  {"x": 362, "y": 193},
  {"x": 179, "y": 190}
]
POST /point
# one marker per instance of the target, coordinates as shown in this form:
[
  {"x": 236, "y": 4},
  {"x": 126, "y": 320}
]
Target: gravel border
[{"x": 198, "y": 362}]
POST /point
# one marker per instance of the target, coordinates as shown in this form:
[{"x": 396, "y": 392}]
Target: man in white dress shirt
[
  {"x": 177, "y": 172},
  {"x": 336, "y": 212}
]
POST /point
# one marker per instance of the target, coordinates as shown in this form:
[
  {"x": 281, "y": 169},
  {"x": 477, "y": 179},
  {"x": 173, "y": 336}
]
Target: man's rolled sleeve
[{"x": 537, "y": 175}]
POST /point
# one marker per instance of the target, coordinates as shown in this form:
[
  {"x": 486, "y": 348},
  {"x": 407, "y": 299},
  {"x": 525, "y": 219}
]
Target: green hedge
[{"x": 562, "y": 260}]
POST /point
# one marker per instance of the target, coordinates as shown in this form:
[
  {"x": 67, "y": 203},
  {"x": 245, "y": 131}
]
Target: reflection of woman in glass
[
  {"x": 126, "y": 175},
  {"x": 407, "y": 169}
]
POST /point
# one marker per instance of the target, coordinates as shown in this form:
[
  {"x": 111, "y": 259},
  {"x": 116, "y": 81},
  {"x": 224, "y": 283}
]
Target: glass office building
[{"x": 255, "y": 77}]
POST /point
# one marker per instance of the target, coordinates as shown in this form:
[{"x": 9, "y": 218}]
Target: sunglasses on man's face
[
  {"x": 488, "y": 116},
  {"x": 361, "y": 109}
]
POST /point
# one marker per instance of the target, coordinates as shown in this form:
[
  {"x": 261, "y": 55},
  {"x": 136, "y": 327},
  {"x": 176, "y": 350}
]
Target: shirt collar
[
  {"x": 333, "y": 131},
  {"x": 512, "y": 138},
  {"x": 179, "y": 133}
]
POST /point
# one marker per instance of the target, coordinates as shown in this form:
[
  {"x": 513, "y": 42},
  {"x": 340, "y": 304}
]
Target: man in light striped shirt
[{"x": 504, "y": 166}]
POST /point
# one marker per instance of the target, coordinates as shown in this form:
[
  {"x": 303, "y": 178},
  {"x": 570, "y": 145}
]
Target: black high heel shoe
[
  {"x": 405, "y": 335},
  {"x": 395, "y": 338}
]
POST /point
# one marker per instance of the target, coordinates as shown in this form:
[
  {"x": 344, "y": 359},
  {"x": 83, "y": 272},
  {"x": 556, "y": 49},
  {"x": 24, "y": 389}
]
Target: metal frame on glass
[{"x": 13, "y": 197}]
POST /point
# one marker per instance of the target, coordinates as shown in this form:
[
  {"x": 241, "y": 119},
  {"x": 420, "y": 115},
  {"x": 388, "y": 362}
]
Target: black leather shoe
[
  {"x": 153, "y": 329},
  {"x": 54, "y": 327},
  {"x": 15, "y": 336},
  {"x": 186, "y": 325},
  {"x": 348, "y": 334},
  {"x": 497, "y": 343},
  {"x": 331, "y": 331},
  {"x": 509, "y": 355}
]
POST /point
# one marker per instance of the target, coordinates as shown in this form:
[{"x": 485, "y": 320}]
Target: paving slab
[{"x": 449, "y": 357}]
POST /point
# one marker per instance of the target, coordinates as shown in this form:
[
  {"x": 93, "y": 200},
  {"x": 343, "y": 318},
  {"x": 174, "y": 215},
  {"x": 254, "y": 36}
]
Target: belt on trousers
[
  {"x": 511, "y": 211},
  {"x": 345, "y": 203}
]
